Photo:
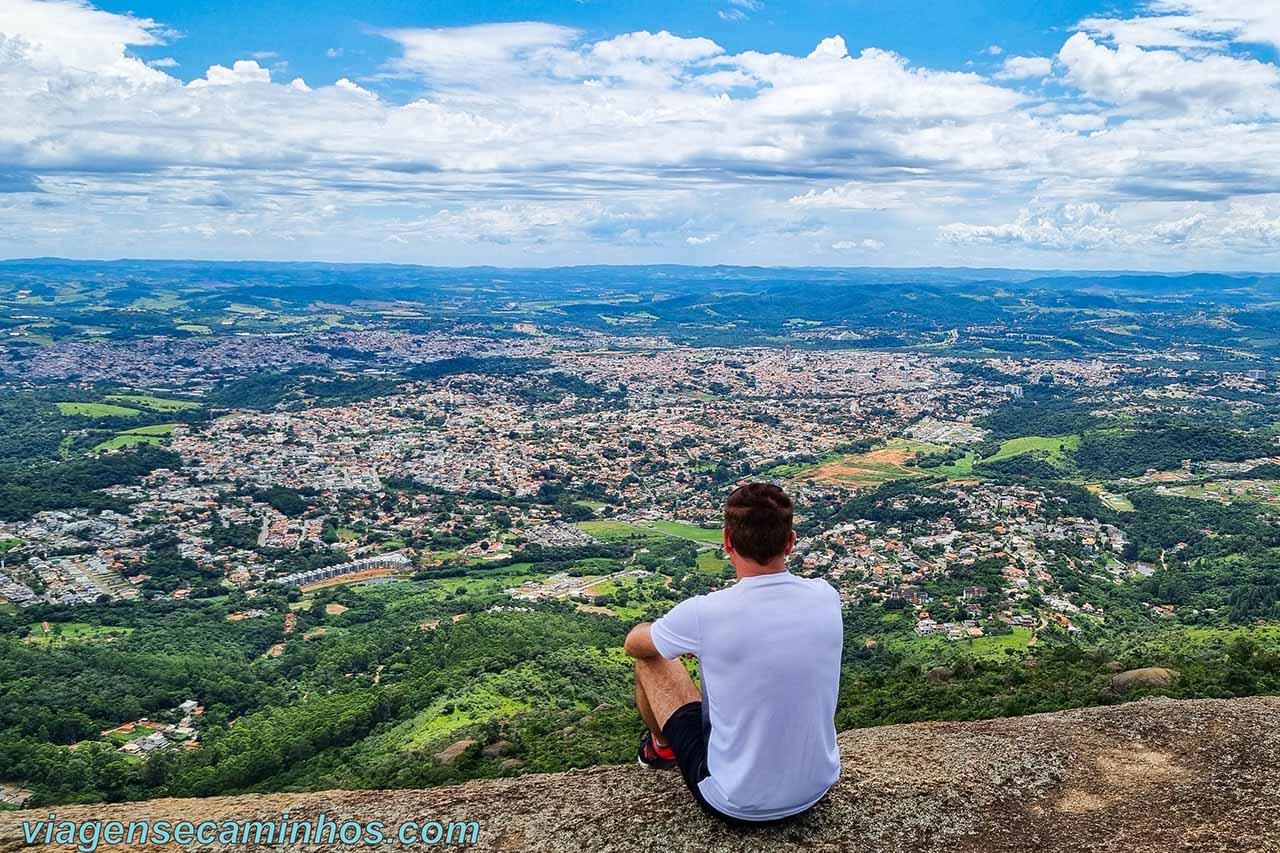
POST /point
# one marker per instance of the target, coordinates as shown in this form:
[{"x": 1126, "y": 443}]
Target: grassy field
[
  {"x": 932, "y": 648},
  {"x": 792, "y": 470},
  {"x": 127, "y": 439},
  {"x": 960, "y": 469},
  {"x": 160, "y": 300},
  {"x": 1120, "y": 503},
  {"x": 1054, "y": 447},
  {"x": 153, "y": 434},
  {"x": 706, "y": 535},
  {"x": 613, "y": 585},
  {"x": 155, "y": 404},
  {"x": 613, "y": 530},
  {"x": 882, "y": 465},
  {"x": 74, "y": 632},
  {"x": 97, "y": 410},
  {"x": 153, "y": 429},
  {"x": 411, "y": 595},
  {"x": 1268, "y": 635},
  {"x": 712, "y": 563}
]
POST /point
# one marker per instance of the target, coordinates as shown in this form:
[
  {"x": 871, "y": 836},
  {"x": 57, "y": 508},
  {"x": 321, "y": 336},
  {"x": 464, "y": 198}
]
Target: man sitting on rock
[{"x": 759, "y": 743}]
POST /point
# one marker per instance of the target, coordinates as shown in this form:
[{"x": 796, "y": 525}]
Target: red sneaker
[{"x": 653, "y": 756}]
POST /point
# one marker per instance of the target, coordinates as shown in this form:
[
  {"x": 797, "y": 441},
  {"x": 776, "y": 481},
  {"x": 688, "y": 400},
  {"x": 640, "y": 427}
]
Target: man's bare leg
[{"x": 662, "y": 687}]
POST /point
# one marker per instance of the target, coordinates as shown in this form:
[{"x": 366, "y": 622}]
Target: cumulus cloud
[
  {"x": 241, "y": 72},
  {"x": 1177, "y": 31},
  {"x": 1154, "y": 132},
  {"x": 856, "y": 196},
  {"x": 483, "y": 53},
  {"x": 64, "y": 34},
  {"x": 1189, "y": 23},
  {"x": 1170, "y": 81},
  {"x": 1067, "y": 226},
  {"x": 1248, "y": 227},
  {"x": 1025, "y": 67}
]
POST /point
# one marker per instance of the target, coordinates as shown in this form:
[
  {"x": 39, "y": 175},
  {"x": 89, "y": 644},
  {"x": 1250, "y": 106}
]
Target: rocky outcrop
[
  {"x": 1148, "y": 677},
  {"x": 451, "y": 753},
  {"x": 1153, "y": 775}
]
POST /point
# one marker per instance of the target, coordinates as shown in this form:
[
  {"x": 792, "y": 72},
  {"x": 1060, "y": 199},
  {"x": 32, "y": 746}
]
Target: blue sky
[
  {"x": 1051, "y": 134},
  {"x": 940, "y": 35}
]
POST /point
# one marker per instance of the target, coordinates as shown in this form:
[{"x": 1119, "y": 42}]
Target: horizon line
[{"x": 549, "y": 267}]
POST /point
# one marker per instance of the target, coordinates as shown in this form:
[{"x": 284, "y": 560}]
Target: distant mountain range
[{"x": 1066, "y": 313}]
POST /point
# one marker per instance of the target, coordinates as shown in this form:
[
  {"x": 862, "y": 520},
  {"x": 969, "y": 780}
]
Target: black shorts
[{"x": 688, "y": 734}]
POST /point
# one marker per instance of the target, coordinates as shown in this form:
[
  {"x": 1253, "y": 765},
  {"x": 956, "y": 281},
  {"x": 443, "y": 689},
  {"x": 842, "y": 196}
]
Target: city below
[{"x": 288, "y": 528}]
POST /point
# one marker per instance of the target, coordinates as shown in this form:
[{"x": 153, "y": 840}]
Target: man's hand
[{"x": 639, "y": 643}]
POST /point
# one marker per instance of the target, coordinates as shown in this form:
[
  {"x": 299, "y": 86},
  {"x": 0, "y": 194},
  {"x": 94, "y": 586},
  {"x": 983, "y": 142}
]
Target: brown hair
[{"x": 758, "y": 518}]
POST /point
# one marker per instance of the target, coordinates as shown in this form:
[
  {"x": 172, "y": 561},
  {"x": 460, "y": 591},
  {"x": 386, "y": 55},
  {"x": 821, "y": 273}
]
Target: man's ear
[
  {"x": 791, "y": 544},
  {"x": 728, "y": 543}
]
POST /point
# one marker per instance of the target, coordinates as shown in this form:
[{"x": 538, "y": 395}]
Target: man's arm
[{"x": 639, "y": 643}]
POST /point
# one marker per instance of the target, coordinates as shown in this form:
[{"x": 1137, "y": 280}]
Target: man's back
[{"x": 769, "y": 649}]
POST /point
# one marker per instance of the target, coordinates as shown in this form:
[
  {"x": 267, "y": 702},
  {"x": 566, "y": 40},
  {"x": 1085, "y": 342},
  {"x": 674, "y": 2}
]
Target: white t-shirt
[{"x": 769, "y": 649}]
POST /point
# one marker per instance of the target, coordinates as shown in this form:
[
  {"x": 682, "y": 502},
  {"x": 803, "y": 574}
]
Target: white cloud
[
  {"x": 1025, "y": 67},
  {"x": 1069, "y": 226},
  {"x": 1081, "y": 121},
  {"x": 241, "y": 72},
  {"x": 56, "y": 36},
  {"x": 993, "y": 50},
  {"x": 856, "y": 196},
  {"x": 1248, "y": 227},
  {"x": 654, "y": 47},
  {"x": 739, "y": 10},
  {"x": 483, "y": 53},
  {"x": 1166, "y": 81},
  {"x": 537, "y": 135},
  {"x": 1255, "y": 21},
  {"x": 1158, "y": 31}
]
